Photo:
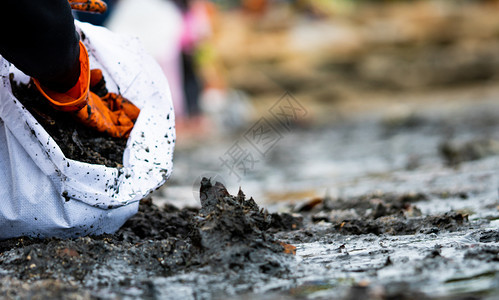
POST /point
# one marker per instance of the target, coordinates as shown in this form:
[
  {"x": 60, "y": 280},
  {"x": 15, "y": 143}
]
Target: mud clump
[
  {"x": 455, "y": 153},
  {"x": 286, "y": 222},
  {"x": 400, "y": 226},
  {"x": 76, "y": 141},
  {"x": 239, "y": 227},
  {"x": 489, "y": 236},
  {"x": 484, "y": 253}
]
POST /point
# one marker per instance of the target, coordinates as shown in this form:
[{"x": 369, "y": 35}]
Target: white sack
[{"x": 43, "y": 193}]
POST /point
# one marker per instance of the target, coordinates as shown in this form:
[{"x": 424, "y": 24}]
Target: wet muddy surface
[
  {"x": 372, "y": 205},
  {"x": 388, "y": 189},
  {"x": 400, "y": 202},
  {"x": 228, "y": 235}
]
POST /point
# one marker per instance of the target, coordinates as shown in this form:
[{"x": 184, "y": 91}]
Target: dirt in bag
[{"x": 76, "y": 141}]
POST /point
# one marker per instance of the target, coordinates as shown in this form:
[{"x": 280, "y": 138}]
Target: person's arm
[{"x": 40, "y": 39}]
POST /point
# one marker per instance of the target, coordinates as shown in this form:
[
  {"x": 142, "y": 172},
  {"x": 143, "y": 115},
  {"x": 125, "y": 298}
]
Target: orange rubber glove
[
  {"x": 93, "y": 6},
  {"x": 110, "y": 113}
]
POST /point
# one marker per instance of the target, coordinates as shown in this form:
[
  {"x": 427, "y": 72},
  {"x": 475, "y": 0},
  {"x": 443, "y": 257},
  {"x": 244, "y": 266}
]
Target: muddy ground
[
  {"x": 377, "y": 207},
  {"x": 393, "y": 205}
]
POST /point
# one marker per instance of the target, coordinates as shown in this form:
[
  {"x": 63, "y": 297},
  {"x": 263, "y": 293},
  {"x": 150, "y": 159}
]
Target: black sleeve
[{"x": 39, "y": 38}]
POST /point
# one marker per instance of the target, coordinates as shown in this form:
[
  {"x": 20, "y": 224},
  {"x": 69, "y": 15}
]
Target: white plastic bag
[{"x": 43, "y": 193}]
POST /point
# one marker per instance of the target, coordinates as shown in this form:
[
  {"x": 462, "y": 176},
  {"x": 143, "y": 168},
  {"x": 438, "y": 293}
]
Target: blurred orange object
[
  {"x": 255, "y": 6},
  {"x": 93, "y": 6},
  {"x": 288, "y": 248}
]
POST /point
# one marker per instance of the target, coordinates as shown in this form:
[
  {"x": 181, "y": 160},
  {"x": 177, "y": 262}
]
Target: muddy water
[{"x": 381, "y": 205}]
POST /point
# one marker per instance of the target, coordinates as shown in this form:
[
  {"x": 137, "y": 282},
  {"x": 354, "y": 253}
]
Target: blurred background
[{"x": 296, "y": 99}]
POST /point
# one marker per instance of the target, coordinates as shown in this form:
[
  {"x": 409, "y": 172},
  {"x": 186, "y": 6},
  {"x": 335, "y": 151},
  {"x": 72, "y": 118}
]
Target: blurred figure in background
[
  {"x": 224, "y": 109},
  {"x": 179, "y": 34},
  {"x": 257, "y": 7},
  {"x": 171, "y": 31},
  {"x": 159, "y": 26},
  {"x": 196, "y": 29}
]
